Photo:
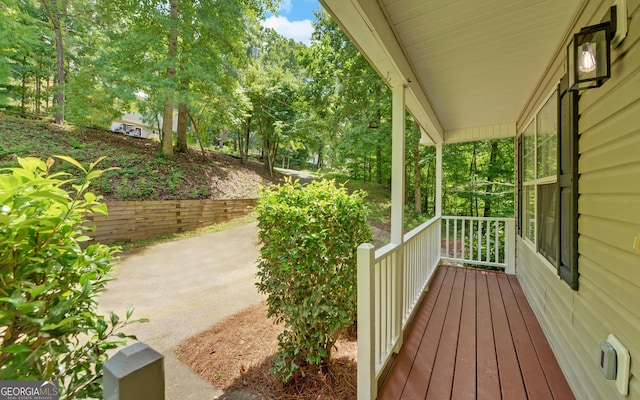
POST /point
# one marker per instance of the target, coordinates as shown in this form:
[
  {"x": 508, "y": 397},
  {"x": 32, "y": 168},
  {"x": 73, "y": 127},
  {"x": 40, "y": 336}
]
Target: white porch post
[
  {"x": 397, "y": 164},
  {"x": 439, "y": 180},
  {"x": 398, "y": 121},
  {"x": 367, "y": 383},
  {"x": 439, "y": 198}
]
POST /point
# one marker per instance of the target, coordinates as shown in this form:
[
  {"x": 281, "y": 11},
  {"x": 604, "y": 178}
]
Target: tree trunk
[
  {"x": 195, "y": 128},
  {"x": 490, "y": 177},
  {"x": 181, "y": 144},
  {"x": 46, "y": 104},
  {"x": 243, "y": 141},
  {"x": 473, "y": 168},
  {"x": 167, "y": 119},
  {"x": 319, "y": 162},
  {"x": 427, "y": 188},
  {"x": 23, "y": 95},
  {"x": 60, "y": 66},
  {"x": 54, "y": 14},
  {"x": 38, "y": 94},
  {"x": 379, "y": 164},
  {"x": 270, "y": 150}
]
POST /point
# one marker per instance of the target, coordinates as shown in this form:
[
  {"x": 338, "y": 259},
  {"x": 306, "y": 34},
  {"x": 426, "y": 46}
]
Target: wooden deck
[{"x": 475, "y": 337}]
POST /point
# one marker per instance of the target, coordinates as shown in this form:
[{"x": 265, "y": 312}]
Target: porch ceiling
[{"x": 469, "y": 65}]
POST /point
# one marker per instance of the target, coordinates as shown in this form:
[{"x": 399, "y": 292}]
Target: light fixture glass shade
[{"x": 589, "y": 57}]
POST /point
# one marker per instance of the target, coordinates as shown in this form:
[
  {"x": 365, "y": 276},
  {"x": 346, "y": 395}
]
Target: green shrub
[
  {"x": 49, "y": 326},
  {"x": 307, "y": 266}
]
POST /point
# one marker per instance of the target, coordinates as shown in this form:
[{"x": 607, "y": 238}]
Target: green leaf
[
  {"x": 89, "y": 197},
  {"x": 17, "y": 348},
  {"x": 72, "y": 162},
  {"x": 32, "y": 164},
  {"x": 58, "y": 197},
  {"x": 100, "y": 208},
  {"x": 114, "y": 318}
]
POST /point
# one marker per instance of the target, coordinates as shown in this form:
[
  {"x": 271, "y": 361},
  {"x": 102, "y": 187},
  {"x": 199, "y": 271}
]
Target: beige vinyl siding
[{"x": 608, "y": 300}]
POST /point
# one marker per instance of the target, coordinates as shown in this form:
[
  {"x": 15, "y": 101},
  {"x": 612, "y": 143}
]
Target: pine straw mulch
[{"x": 237, "y": 353}]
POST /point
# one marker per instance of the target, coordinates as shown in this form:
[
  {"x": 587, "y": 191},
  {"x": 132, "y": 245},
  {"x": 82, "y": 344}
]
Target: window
[
  {"x": 539, "y": 175},
  {"x": 548, "y": 182}
]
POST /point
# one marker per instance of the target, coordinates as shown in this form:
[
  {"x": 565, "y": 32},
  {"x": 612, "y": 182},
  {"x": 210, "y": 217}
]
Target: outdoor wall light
[
  {"x": 589, "y": 53},
  {"x": 589, "y": 57}
]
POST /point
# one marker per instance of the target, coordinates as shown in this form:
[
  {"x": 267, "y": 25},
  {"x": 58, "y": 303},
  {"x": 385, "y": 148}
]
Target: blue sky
[{"x": 294, "y": 20}]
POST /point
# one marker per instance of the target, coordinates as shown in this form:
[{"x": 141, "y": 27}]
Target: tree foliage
[
  {"x": 353, "y": 99},
  {"x": 229, "y": 79},
  {"x": 478, "y": 178},
  {"x": 307, "y": 266},
  {"x": 50, "y": 281}
]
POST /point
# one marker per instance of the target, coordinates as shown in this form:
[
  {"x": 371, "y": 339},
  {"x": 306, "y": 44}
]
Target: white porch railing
[
  {"x": 390, "y": 283},
  {"x": 392, "y": 279},
  {"x": 479, "y": 241}
]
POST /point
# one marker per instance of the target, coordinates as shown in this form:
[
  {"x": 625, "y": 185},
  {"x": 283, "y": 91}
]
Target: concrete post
[{"x": 134, "y": 373}]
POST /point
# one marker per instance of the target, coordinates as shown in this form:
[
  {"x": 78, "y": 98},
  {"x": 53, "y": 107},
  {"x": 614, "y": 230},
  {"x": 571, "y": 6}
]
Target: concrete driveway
[{"x": 185, "y": 287}]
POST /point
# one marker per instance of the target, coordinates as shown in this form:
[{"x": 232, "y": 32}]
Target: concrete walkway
[{"x": 185, "y": 287}]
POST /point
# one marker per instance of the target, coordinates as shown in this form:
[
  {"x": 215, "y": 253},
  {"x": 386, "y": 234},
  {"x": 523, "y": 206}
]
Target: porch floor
[{"x": 475, "y": 337}]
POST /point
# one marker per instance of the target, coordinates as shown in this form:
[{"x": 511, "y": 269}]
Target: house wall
[
  {"x": 608, "y": 299},
  {"x": 147, "y": 130}
]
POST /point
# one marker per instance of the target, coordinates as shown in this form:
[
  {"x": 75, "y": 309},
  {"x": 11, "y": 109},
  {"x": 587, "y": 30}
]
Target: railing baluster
[
  {"x": 479, "y": 240},
  {"x": 455, "y": 238},
  {"x": 488, "y": 235},
  {"x": 464, "y": 242},
  {"x": 475, "y": 240},
  {"x": 497, "y": 242},
  {"x": 471, "y": 229},
  {"x": 379, "y": 316},
  {"x": 447, "y": 238},
  {"x": 390, "y": 301}
]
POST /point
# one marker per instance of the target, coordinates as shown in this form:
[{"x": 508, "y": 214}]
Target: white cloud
[
  {"x": 285, "y": 6},
  {"x": 300, "y": 31}
]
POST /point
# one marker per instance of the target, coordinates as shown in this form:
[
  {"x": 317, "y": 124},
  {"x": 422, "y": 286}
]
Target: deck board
[
  {"x": 444, "y": 363},
  {"x": 475, "y": 337},
  {"x": 557, "y": 381},
  {"x": 420, "y": 375},
  {"x": 464, "y": 377},
  {"x": 487, "y": 364},
  {"x": 511, "y": 381},
  {"x": 395, "y": 384},
  {"x": 535, "y": 382}
]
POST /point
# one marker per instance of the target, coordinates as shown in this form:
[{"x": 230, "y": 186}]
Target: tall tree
[
  {"x": 172, "y": 52},
  {"x": 26, "y": 60},
  {"x": 272, "y": 81},
  {"x": 200, "y": 58},
  {"x": 354, "y": 97},
  {"x": 57, "y": 11}
]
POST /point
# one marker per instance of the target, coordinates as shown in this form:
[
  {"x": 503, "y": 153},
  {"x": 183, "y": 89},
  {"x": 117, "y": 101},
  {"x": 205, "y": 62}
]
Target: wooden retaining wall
[{"x": 134, "y": 220}]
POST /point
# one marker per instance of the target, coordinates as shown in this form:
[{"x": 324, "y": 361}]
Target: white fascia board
[{"x": 365, "y": 24}]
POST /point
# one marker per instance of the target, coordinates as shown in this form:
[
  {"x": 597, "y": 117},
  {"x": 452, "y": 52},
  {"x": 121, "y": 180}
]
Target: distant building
[{"x": 131, "y": 124}]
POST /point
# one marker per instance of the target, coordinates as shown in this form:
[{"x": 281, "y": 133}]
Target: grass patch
[{"x": 143, "y": 172}]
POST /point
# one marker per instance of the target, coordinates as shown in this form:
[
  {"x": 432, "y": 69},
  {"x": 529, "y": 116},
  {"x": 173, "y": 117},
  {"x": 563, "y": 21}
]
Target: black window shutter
[
  {"x": 568, "y": 185},
  {"x": 520, "y": 176}
]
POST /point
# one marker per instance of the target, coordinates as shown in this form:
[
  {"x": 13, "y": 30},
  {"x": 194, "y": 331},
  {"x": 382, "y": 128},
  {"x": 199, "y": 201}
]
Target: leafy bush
[
  {"x": 307, "y": 266},
  {"x": 49, "y": 326}
]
